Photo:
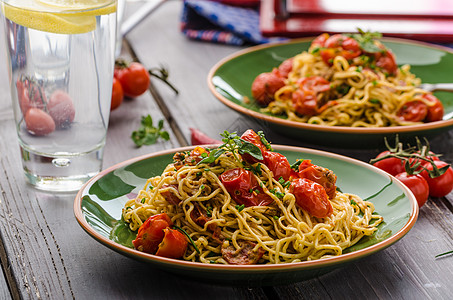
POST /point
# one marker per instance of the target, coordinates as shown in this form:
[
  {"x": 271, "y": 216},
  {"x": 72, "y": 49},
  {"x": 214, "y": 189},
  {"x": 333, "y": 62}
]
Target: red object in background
[
  {"x": 242, "y": 3},
  {"x": 426, "y": 20}
]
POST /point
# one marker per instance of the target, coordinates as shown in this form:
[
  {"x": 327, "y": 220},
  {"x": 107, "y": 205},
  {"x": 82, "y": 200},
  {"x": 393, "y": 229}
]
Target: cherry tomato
[
  {"x": 391, "y": 165},
  {"x": 151, "y": 233},
  {"x": 243, "y": 187},
  {"x": 442, "y": 185},
  {"x": 311, "y": 197},
  {"x": 314, "y": 83},
  {"x": 265, "y": 85},
  {"x": 417, "y": 184},
  {"x": 286, "y": 67},
  {"x": 435, "y": 111},
  {"x": 117, "y": 94},
  {"x": 61, "y": 109},
  {"x": 340, "y": 45},
  {"x": 413, "y": 111},
  {"x": 323, "y": 176},
  {"x": 173, "y": 245},
  {"x": 320, "y": 40},
  {"x": 134, "y": 79},
  {"x": 39, "y": 122},
  {"x": 251, "y": 136},
  {"x": 278, "y": 164},
  {"x": 305, "y": 102},
  {"x": 386, "y": 61}
]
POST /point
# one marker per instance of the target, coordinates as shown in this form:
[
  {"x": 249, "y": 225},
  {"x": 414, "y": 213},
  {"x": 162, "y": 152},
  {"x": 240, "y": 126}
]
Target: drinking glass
[{"x": 61, "y": 58}]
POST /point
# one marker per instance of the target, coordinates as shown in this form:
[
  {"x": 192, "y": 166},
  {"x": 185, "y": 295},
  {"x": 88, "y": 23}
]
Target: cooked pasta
[
  {"x": 333, "y": 85},
  {"x": 194, "y": 196}
]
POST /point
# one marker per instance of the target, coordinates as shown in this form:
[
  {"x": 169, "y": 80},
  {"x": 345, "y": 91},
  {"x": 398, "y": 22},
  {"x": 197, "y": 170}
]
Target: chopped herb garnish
[
  {"x": 143, "y": 200},
  {"x": 209, "y": 211},
  {"x": 353, "y": 202},
  {"x": 188, "y": 236},
  {"x": 275, "y": 217},
  {"x": 375, "y": 101},
  {"x": 240, "y": 207}
]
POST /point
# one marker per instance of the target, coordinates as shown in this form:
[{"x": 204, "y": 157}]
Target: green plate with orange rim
[
  {"x": 230, "y": 81},
  {"x": 98, "y": 205}
]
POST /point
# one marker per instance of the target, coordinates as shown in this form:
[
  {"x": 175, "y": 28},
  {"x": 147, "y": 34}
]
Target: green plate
[
  {"x": 230, "y": 80},
  {"x": 97, "y": 208}
]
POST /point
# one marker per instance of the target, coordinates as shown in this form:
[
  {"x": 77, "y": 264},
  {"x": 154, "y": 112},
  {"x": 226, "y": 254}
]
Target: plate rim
[
  {"x": 322, "y": 128},
  {"x": 304, "y": 265}
]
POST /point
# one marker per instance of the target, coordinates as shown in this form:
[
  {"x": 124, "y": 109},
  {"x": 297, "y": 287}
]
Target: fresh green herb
[
  {"x": 143, "y": 200},
  {"x": 275, "y": 217},
  {"x": 315, "y": 50},
  {"x": 443, "y": 254},
  {"x": 374, "y": 82},
  {"x": 199, "y": 174},
  {"x": 240, "y": 207},
  {"x": 188, "y": 236},
  {"x": 279, "y": 194},
  {"x": 204, "y": 155},
  {"x": 202, "y": 186},
  {"x": 234, "y": 144},
  {"x": 366, "y": 40},
  {"x": 375, "y": 101},
  {"x": 353, "y": 202},
  {"x": 283, "y": 182},
  {"x": 147, "y": 134},
  {"x": 264, "y": 140},
  {"x": 162, "y": 74},
  {"x": 296, "y": 164},
  {"x": 207, "y": 170},
  {"x": 209, "y": 211}
]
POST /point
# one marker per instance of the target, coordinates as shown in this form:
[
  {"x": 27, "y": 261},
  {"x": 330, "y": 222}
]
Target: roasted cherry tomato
[
  {"x": 265, "y": 85},
  {"x": 134, "y": 78},
  {"x": 311, "y": 197},
  {"x": 151, "y": 233},
  {"x": 320, "y": 40},
  {"x": 173, "y": 245},
  {"x": 386, "y": 61},
  {"x": 61, "y": 109},
  {"x": 436, "y": 110},
  {"x": 417, "y": 184},
  {"x": 413, "y": 111},
  {"x": 340, "y": 45},
  {"x": 304, "y": 102},
  {"x": 117, "y": 94},
  {"x": 442, "y": 185},
  {"x": 252, "y": 137},
  {"x": 286, "y": 67},
  {"x": 392, "y": 165},
  {"x": 323, "y": 176},
  {"x": 278, "y": 164},
  {"x": 243, "y": 187},
  {"x": 39, "y": 122}
]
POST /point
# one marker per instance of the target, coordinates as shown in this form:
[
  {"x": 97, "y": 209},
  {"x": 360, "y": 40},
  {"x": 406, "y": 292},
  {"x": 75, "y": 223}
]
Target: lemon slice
[{"x": 59, "y": 18}]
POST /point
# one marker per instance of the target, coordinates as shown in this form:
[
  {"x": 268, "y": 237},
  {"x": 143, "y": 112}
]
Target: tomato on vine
[
  {"x": 117, "y": 94},
  {"x": 134, "y": 78},
  {"x": 418, "y": 168}
]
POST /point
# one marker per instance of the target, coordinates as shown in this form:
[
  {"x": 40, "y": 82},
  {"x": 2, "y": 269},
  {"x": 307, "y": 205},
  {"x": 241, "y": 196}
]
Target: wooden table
[{"x": 45, "y": 254}]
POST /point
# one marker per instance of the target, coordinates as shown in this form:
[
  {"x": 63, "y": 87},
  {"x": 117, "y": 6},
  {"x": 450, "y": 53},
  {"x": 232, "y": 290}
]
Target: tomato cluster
[
  {"x": 311, "y": 185},
  {"x": 130, "y": 80},
  {"x": 42, "y": 114},
  {"x": 421, "y": 171},
  {"x": 156, "y": 236}
]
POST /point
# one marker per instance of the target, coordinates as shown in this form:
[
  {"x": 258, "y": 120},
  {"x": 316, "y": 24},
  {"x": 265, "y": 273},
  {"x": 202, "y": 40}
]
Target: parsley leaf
[{"x": 147, "y": 134}]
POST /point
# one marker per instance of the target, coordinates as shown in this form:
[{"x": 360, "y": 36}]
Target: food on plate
[
  {"x": 242, "y": 203},
  {"x": 346, "y": 80},
  {"x": 418, "y": 168}
]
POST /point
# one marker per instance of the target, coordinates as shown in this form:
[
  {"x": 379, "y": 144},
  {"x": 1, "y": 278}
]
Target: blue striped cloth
[{"x": 219, "y": 23}]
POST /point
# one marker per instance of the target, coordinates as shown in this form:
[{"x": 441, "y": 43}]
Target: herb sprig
[
  {"x": 366, "y": 40},
  {"x": 148, "y": 134},
  {"x": 234, "y": 144}
]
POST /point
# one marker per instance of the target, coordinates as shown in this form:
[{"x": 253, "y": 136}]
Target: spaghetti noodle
[{"x": 195, "y": 192}]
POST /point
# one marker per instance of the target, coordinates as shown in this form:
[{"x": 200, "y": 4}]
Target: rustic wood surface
[{"x": 45, "y": 254}]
